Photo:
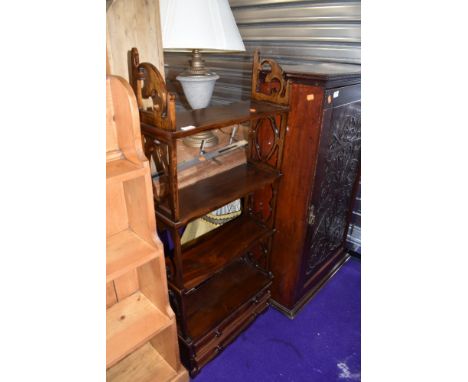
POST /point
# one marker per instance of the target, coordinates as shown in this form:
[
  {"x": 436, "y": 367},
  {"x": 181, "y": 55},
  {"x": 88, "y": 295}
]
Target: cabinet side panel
[
  {"x": 111, "y": 296},
  {"x": 299, "y": 157},
  {"x": 112, "y": 144},
  {"x": 126, "y": 285},
  {"x": 153, "y": 284},
  {"x": 166, "y": 345},
  {"x": 139, "y": 202},
  {"x": 116, "y": 210}
]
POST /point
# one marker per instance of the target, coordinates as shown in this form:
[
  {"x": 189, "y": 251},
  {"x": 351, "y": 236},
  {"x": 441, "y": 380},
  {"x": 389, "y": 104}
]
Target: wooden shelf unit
[
  {"x": 220, "y": 281},
  {"x": 138, "y": 316}
]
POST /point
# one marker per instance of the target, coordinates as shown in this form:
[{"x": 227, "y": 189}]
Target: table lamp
[{"x": 199, "y": 25}]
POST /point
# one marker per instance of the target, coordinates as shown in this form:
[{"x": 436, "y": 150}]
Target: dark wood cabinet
[
  {"x": 320, "y": 167},
  {"x": 218, "y": 282}
]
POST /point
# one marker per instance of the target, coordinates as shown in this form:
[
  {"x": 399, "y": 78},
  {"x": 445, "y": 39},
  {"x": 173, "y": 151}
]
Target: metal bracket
[{"x": 311, "y": 217}]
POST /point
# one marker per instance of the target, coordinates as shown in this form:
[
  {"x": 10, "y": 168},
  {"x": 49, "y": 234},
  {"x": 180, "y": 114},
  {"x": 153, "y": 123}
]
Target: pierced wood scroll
[
  {"x": 148, "y": 83},
  {"x": 268, "y": 81}
]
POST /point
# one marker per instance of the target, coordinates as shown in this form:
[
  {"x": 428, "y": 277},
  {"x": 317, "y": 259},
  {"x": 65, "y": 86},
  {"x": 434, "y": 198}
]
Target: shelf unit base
[{"x": 196, "y": 355}]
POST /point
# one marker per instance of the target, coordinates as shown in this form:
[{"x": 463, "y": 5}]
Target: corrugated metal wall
[{"x": 289, "y": 31}]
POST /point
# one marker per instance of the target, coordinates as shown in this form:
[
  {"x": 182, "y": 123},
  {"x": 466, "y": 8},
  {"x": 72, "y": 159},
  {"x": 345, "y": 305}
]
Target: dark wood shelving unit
[{"x": 218, "y": 282}]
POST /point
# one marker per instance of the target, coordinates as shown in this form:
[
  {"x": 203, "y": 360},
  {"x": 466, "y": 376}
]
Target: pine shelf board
[
  {"x": 121, "y": 170},
  {"x": 143, "y": 365},
  {"x": 213, "y": 251},
  {"x": 127, "y": 251},
  {"x": 129, "y": 324}
]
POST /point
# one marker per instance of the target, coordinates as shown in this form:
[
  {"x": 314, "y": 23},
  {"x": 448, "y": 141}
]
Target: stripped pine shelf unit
[
  {"x": 218, "y": 282},
  {"x": 141, "y": 340}
]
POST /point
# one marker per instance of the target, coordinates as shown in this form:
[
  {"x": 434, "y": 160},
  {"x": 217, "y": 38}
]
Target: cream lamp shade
[{"x": 208, "y": 25}]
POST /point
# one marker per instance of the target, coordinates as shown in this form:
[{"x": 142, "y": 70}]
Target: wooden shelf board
[
  {"x": 213, "y": 251},
  {"x": 129, "y": 324},
  {"x": 215, "y": 117},
  {"x": 213, "y": 301},
  {"x": 143, "y": 365},
  {"x": 214, "y": 192},
  {"x": 127, "y": 251},
  {"x": 122, "y": 169}
]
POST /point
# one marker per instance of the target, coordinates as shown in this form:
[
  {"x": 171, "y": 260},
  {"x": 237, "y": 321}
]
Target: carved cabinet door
[{"x": 336, "y": 171}]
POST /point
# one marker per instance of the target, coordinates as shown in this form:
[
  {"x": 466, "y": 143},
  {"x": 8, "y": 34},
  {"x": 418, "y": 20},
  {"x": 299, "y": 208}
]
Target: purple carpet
[{"x": 323, "y": 342}]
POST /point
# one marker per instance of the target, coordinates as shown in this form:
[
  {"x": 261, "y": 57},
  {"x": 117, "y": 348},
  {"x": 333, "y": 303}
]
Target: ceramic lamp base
[{"x": 198, "y": 90}]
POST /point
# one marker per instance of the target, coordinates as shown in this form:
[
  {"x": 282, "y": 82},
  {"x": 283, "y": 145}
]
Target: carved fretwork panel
[
  {"x": 157, "y": 153},
  {"x": 261, "y": 204},
  {"x": 265, "y": 141},
  {"x": 259, "y": 255},
  {"x": 148, "y": 84},
  {"x": 338, "y": 164},
  {"x": 268, "y": 81}
]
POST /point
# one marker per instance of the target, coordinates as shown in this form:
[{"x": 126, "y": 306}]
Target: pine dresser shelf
[
  {"x": 127, "y": 251},
  {"x": 145, "y": 364},
  {"x": 131, "y": 323}
]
